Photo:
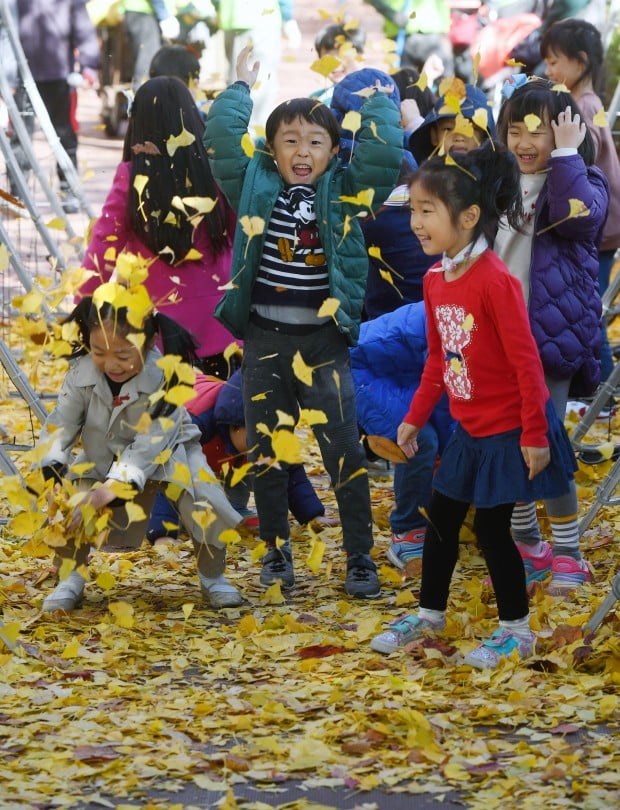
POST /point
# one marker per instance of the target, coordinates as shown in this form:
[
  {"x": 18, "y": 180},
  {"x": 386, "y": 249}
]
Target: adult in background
[
  {"x": 57, "y": 36},
  {"x": 147, "y": 23}
]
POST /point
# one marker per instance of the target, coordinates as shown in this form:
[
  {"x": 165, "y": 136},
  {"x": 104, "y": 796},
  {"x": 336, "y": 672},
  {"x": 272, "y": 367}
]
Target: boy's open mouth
[{"x": 302, "y": 169}]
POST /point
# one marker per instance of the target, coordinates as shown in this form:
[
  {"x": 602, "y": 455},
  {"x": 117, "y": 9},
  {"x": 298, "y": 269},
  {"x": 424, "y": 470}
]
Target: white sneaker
[
  {"x": 219, "y": 592},
  {"x": 67, "y": 595}
]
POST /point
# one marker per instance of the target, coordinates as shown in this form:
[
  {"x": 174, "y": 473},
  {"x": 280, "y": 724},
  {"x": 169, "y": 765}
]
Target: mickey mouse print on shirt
[
  {"x": 305, "y": 247},
  {"x": 455, "y": 328}
]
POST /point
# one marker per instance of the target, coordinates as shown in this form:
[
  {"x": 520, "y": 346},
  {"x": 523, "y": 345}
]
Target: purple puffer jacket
[{"x": 565, "y": 305}]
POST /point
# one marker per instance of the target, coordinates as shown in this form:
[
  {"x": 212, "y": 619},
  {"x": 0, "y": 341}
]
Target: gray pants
[{"x": 269, "y": 385}]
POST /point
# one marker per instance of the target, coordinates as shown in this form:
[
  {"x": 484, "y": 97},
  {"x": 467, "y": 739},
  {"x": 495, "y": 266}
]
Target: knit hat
[{"x": 420, "y": 141}]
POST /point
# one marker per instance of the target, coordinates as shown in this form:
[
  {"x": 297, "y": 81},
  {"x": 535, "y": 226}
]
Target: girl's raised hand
[
  {"x": 536, "y": 459},
  {"x": 97, "y": 498},
  {"x": 569, "y": 130},
  {"x": 245, "y": 73},
  {"x": 406, "y": 439}
]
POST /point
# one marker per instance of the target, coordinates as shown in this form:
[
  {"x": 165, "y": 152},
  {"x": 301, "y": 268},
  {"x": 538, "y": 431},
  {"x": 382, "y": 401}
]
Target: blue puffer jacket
[
  {"x": 564, "y": 304},
  {"x": 387, "y": 365}
]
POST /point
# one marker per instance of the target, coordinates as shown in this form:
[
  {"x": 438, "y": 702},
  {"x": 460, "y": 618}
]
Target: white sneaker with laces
[{"x": 67, "y": 595}]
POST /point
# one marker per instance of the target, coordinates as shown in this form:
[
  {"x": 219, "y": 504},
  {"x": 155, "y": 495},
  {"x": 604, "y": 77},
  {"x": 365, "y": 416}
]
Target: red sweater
[{"x": 481, "y": 351}]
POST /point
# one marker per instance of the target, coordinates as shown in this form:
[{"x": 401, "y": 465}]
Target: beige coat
[{"x": 169, "y": 451}]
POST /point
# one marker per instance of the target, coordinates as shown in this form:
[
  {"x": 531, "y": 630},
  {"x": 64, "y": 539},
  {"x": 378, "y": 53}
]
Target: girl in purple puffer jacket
[{"x": 555, "y": 256}]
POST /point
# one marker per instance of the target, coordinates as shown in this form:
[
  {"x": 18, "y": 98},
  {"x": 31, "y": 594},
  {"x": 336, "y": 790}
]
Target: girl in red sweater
[{"x": 508, "y": 445}]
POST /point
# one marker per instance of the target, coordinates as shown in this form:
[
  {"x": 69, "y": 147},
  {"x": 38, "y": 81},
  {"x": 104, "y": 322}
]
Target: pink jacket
[{"x": 194, "y": 285}]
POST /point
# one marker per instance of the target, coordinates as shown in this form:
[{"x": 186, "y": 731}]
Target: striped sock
[
  {"x": 524, "y": 524},
  {"x": 565, "y": 533}
]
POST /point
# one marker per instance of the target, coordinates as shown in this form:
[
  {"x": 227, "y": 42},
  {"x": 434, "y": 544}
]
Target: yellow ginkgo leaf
[
  {"x": 375, "y": 252},
  {"x": 481, "y": 118},
  {"x": 560, "y": 88},
  {"x": 9, "y": 633},
  {"x": 286, "y": 446},
  {"x": 187, "y": 608},
  {"x": 123, "y": 614},
  {"x": 352, "y": 121},
  {"x": 577, "y": 208},
  {"x": 325, "y": 65},
  {"x": 314, "y": 559},
  {"x": 363, "y": 198},
  {"x": 179, "y": 394},
  {"x": 203, "y": 205},
  {"x": 312, "y": 416},
  {"x": 106, "y": 580},
  {"x": 532, "y": 122},
  {"x": 273, "y": 595},
  {"x": 229, "y": 537},
  {"x": 239, "y": 473},
  {"x": 135, "y": 513},
  {"x": 247, "y": 625},
  {"x": 252, "y": 226},
  {"x": 56, "y": 224},
  {"x": 302, "y": 371},
  {"x": 600, "y": 119},
  {"x": 328, "y": 308},
  {"x": 174, "y": 142},
  {"x": 248, "y": 145},
  {"x": 71, "y": 650}
]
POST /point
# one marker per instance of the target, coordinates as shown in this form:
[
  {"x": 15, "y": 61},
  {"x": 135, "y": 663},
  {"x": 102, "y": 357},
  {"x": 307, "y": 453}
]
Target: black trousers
[{"x": 441, "y": 548}]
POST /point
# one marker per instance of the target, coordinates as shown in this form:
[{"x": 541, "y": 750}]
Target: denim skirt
[{"x": 490, "y": 471}]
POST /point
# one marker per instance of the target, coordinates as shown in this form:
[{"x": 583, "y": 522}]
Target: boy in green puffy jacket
[{"x": 295, "y": 296}]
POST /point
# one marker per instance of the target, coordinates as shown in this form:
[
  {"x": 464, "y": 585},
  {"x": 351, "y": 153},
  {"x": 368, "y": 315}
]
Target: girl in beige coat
[{"x": 132, "y": 443}]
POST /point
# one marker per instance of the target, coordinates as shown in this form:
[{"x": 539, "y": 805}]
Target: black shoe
[
  {"x": 362, "y": 581},
  {"x": 278, "y": 567}
]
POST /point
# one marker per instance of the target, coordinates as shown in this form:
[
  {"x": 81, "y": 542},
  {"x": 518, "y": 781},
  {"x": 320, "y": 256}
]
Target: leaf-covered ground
[{"x": 144, "y": 686}]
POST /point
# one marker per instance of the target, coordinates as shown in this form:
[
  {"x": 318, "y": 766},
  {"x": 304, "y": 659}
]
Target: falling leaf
[
  {"x": 532, "y": 122},
  {"x": 600, "y": 119},
  {"x": 329, "y": 307},
  {"x": 314, "y": 560},
  {"x": 362, "y": 198},
  {"x": 174, "y": 142},
  {"x": 106, "y": 580},
  {"x": 247, "y": 145},
  {"x": 325, "y": 65}
]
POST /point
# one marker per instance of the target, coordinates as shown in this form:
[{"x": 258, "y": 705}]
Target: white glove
[
  {"x": 291, "y": 31},
  {"x": 170, "y": 28}
]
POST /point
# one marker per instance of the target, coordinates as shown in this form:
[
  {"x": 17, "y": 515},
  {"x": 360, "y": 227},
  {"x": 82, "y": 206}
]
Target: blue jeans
[{"x": 413, "y": 484}]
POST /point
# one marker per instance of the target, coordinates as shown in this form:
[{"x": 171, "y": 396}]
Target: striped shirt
[{"x": 293, "y": 269}]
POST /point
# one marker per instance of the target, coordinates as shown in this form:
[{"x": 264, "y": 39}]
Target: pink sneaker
[
  {"x": 537, "y": 566},
  {"x": 406, "y": 547},
  {"x": 567, "y": 573}
]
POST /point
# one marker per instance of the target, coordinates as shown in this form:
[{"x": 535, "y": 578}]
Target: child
[
  {"x": 442, "y": 132},
  {"x": 346, "y": 43},
  {"x": 387, "y": 366},
  {"x": 507, "y": 444},
  {"x": 553, "y": 253},
  {"x": 217, "y": 409},
  {"x": 106, "y": 401},
  {"x": 298, "y": 243},
  {"x": 574, "y": 55},
  {"x": 169, "y": 222}
]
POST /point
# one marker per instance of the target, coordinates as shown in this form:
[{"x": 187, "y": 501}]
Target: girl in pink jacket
[{"x": 165, "y": 207}]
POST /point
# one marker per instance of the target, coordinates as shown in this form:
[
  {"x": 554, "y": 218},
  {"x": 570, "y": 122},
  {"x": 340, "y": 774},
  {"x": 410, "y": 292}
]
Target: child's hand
[
  {"x": 244, "y": 72},
  {"x": 97, "y": 498},
  {"x": 410, "y": 117},
  {"x": 536, "y": 459},
  {"x": 569, "y": 130},
  {"x": 406, "y": 439}
]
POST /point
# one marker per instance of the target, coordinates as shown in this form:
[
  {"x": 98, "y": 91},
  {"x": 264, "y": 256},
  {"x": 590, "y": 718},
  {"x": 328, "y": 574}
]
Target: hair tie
[{"x": 512, "y": 83}]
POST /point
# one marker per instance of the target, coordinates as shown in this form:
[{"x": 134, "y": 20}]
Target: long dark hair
[
  {"x": 87, "y": 316},
  {"x": 163, "y": 108},
  {"x": 487, "y": 176},
  {"x": 538, "y": 97},
  {"x": 577, "y": 39}
]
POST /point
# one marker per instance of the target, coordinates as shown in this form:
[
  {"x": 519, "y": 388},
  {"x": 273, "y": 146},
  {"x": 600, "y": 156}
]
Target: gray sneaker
[
  {"x": 278, "y": 567},
  {"x": 362, "y": 581},
  {"x": 67, "y": 595}
]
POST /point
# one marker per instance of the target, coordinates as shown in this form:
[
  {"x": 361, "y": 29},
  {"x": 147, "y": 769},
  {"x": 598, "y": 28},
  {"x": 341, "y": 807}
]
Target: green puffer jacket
[{"x": 252, "y": 186}]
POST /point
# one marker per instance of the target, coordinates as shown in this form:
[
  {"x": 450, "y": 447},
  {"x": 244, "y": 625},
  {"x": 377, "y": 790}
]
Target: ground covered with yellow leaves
[{"x": 144, "y": 686}]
